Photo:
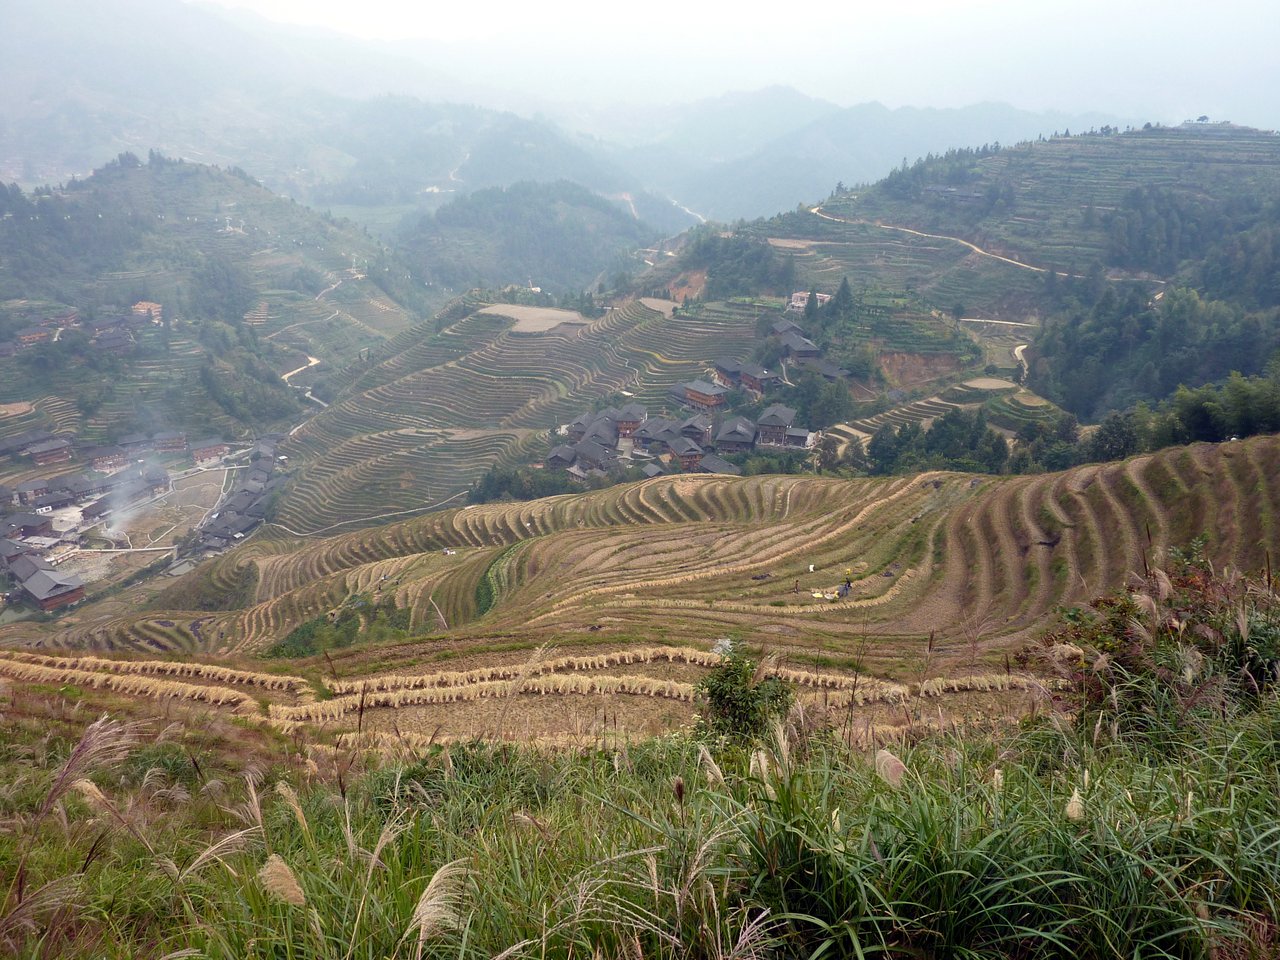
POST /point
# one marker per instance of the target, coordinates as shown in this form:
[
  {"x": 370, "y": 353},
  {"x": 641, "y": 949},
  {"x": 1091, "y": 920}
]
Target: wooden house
[
  {"x": 703, "y": 395},
  {"x": 736, "y": 435},
  {"x": 206, "y": 451},
  {"x": 774, "y": 424},
  {"x": 57, "y": 450}
]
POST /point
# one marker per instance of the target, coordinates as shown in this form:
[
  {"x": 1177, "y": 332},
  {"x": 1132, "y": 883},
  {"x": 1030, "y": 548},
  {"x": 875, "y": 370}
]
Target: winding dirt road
[{"x": 819, "y": 212}]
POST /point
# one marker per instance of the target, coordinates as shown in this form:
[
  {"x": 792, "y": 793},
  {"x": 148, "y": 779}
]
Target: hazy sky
[{"x": 1165, "y": 60}]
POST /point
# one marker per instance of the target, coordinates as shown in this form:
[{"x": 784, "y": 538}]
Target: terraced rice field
[
  {"x": 978, "y": 563},
  {"x": 1054, "y": 181},
  {"x": 971, "y": 393},
  {"x": 423, "y": 424},
  {"x": 825, "y": 252}
]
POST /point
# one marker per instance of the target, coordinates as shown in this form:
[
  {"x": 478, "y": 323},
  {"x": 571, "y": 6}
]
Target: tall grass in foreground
[
  {"x": 1141, "y": 820},
  {"x": 1035, "y": 845}
]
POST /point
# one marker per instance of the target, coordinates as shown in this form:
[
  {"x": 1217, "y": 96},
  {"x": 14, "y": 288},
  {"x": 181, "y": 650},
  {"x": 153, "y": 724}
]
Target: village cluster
[
  {"x": 112, "y": 334},
  {"x": 696, "y": 443},
  {"x": 43, "y": 521}
]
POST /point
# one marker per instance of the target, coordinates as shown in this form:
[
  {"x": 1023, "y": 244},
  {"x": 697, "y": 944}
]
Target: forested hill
[
  {"x": 1116, "y": 224},
  {"x": 250, "y": 285},
  {"x": 559, "y": 236}
]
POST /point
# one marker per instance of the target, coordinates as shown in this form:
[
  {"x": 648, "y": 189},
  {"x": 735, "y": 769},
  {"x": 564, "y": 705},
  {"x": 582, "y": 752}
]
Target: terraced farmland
[
  {"x": 950, "y": 572},
  {"x": 1054, "y": 182},
  {"x": 419, "y": 427},
  {"x": 825, "y": 252}
]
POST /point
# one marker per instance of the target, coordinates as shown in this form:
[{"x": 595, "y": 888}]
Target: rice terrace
[{"x": 566, "y": 598}]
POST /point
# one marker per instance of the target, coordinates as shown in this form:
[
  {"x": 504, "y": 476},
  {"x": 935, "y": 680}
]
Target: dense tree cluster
[
  {"x": 1125, "y": 348},
  {"x": 737, "y": 264},
  {"x": 958, "y": 440},
  {"x": 559, "y": 235}
]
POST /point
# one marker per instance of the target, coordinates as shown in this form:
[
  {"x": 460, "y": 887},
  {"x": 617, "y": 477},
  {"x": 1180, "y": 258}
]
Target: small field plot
[{"x": 535, "y": 319}]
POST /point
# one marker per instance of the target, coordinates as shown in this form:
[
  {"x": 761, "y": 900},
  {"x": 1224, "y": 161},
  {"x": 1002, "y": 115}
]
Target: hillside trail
[{"x": 819, "y": 212}]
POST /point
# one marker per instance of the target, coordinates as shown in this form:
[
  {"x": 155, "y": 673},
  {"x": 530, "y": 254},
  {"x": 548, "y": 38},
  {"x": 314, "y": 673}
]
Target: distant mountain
[
  {"x": 559, "y": 236},
  {"x": 308, "y": 112},
  {"x": 854, "y": 145}
]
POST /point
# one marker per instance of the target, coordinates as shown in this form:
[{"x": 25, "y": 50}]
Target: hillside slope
[
  {"x": 557, "y": 236},
  {"x": 946, "y": 568},
  {"x": 250, "y": 285}
]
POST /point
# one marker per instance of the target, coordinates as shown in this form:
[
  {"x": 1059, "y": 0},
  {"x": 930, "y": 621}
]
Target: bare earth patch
[
  {"x": 664, "y": 307},
  {"x": 990, "y": 383},
  {"x": 14, "y": 409},
  {"x": 534, "y": 319}
]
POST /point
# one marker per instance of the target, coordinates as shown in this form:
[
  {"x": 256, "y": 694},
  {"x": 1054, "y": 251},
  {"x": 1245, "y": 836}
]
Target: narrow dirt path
[{"x": 818, "y": 211}]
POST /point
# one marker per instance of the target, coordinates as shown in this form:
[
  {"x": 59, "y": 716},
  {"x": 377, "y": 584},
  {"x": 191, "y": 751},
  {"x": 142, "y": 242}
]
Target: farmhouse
[
  {"x": 774, "y": 424},
  {"x": 148, "y": 311},
  {"x": 29, "y": 490},
  {"x": 106, "y": 459},
  {"x": 703, "y": 395},
  {"x": 727, "y": 371},
  {"x": 736, "y": 435},
  {"x": 26, "y": 525},
  {"x": 10, "y": 550},
  {"x": 713, "y": 464},
  {"x": 757, "y": 379},
  {"x": 782, "y": 327},
  {"x": 204, "y": 451},
  {"x": 697, "y": 428},
  {"x": 56, "y": 450},
  {"x": 824, "y": 368},
  {"x": 52, "y": 590},
  {"x": 798, "y": 347},
  {"x": 25, "y": 566},
  {"x": 799, "y": 300},
  {"x": 562, "y": 457},
  {"x": 592, "y": 454},
  {"x": 687, "y": 452},
  {"x": 53, "y": 501},
  {"x": 115, "y": 342},
  {"x": 169, "y": 441},
  {"x": 97, "y": 510},
  {"x": 655, "y": 433},
  {"x": 134, "y": 443},
  {"x": 629, "y": 419}
]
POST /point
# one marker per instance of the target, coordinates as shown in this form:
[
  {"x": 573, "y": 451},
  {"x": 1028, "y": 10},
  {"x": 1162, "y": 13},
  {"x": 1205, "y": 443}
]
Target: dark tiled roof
[
  {"x": 703, "y": 387},
  {"x": 47, "y": 584},
  {"x": 736, "y": 430},
  {"x": 713, "y": 464},
  {"x": 47, "y": 446},
  {"x": 776, "y": 415},
  {"x": 25, "y": 567}
]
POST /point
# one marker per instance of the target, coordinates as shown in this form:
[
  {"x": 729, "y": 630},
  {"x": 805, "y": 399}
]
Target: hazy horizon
[{"x": 1161, "y": 61}]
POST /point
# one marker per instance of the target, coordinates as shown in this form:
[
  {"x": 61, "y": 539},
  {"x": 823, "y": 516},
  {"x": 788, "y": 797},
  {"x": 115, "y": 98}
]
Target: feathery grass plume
[
  {"x": 715, "y": 776},
  {"x": 279, "y": 881},
  {"x": 287, "y": 794},
  {"x": 440, "y": 907},
  {"x": 219, "y": 850},
  {"x": 1075, "y": 806},
  {"x": 890, "y": 768},
  {"x": 23, "y": 918},
  {"x": 104, "y": 742}
]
